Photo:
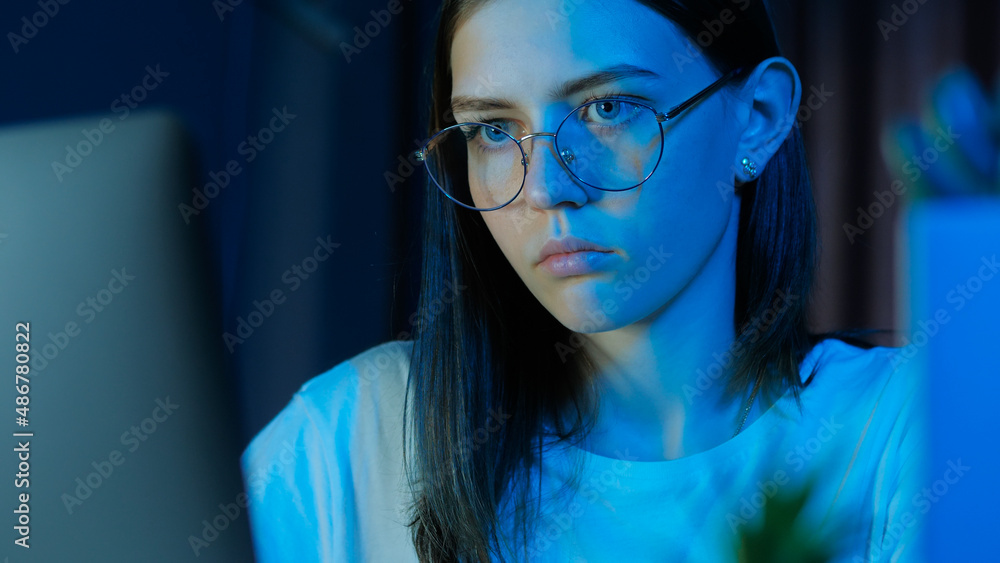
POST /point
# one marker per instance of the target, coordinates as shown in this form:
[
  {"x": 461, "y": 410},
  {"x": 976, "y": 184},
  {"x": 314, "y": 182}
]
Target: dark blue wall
[{"x": 322, "y": 176}]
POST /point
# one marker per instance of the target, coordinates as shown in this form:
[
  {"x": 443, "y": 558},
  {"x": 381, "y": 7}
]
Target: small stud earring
[{"x": 749, "y": 168}]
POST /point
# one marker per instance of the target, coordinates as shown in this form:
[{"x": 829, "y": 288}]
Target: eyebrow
[{"x": 592, "y": 80}]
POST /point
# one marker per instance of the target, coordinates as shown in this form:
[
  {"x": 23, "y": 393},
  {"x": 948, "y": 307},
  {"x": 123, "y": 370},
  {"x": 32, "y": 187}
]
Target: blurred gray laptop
[{"x": 133, "y": 447}]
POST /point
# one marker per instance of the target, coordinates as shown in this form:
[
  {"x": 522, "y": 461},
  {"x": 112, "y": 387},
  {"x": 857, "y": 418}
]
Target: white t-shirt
[{"x": 325, "y": 477}]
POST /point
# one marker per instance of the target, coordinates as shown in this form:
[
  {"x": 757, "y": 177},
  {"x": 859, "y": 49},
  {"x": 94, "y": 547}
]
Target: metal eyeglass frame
[{"x": 566, "y": 155}]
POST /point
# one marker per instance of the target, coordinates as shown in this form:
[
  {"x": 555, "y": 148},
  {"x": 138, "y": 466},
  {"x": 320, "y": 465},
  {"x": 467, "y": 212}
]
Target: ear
[{"x": 773, "y": 92}]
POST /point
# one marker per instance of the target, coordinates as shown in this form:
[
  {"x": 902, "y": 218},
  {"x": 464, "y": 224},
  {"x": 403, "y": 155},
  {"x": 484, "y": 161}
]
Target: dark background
[{"x": 324, "y": 175}]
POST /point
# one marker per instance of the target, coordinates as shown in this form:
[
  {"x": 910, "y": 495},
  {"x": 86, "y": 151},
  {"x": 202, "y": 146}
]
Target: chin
[
  {"x": 584, "y": 305},
  {"x": 585, "y": 318}
]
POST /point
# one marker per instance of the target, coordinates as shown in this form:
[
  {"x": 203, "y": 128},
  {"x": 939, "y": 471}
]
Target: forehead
[{"x": 509, "y": 47}]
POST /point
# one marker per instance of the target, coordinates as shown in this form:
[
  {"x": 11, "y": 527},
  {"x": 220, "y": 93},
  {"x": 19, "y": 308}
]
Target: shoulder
[
  {"x": 376, "y": 374},
  {"x": 876, "y": 401},
  {"x": 880, "y": 401},
  {"x": 852, "y": 373},
  {"x": 875, "y": 405},
  {"x": 334, "y": 409},
  {"x": 301, "y": 471}
]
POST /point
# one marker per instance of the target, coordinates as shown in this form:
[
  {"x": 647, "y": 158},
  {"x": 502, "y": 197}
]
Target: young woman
[{"x": 612, "y": 360}]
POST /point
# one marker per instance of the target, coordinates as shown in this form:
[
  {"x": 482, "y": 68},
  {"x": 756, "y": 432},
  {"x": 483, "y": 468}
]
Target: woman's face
[{"x": 660, "y": 234}]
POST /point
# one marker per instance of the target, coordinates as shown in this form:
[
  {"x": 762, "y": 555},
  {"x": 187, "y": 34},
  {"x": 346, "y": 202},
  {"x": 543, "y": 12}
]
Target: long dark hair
[{"x": 486, "y": 371}]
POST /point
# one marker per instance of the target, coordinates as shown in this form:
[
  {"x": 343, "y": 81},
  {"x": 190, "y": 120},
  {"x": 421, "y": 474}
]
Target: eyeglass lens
[{"x": 607, "y": 144}]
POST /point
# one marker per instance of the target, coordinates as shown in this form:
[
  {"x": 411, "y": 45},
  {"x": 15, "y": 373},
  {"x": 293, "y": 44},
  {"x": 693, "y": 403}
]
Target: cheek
[
  {"x": 678, "y": 224},
  {"x": 508, "y": 227},
  {"x": 513, "y": 229},
  {"x": 684, "y": 203}
]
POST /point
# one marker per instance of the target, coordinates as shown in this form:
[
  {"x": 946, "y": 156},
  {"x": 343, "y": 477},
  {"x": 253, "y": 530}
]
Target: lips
[{"x": 568, "y": 245}]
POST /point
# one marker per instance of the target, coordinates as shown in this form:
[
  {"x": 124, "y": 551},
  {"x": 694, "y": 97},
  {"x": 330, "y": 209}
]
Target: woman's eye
[
  {"x": 494, "y": 134},
  {"x": 607, "y": 110},
  {"x": 494, "y": 131}
]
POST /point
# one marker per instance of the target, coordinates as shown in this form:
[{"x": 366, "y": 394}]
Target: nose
[{"x": 547, "y": 183}]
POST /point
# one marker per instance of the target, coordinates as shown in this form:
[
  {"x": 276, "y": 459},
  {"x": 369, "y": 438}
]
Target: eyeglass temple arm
[{"x": 676, "y": 110}]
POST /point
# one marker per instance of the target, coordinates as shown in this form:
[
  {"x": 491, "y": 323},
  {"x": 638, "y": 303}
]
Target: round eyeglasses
[{"x": 612, "y": 144}]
